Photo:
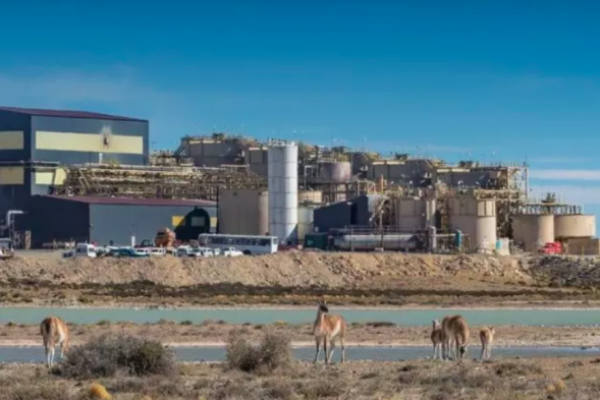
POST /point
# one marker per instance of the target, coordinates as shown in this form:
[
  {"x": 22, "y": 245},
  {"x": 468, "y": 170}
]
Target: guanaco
[
  {"x": 455, "y": 329},
  {"x": 436, "y": 339},
  {"x": 328, "y": 328},
  {"x": 487, "y": 337},
  {"x": 55, "y": 333}
]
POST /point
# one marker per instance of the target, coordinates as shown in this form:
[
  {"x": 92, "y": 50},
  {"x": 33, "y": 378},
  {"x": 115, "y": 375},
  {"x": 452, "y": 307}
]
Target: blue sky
[{"x": 495, "y": 81}]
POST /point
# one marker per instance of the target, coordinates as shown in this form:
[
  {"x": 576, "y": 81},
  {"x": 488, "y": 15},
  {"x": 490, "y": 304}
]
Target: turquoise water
[
  {"x": 36, "y": 354},
  {"x": 295, "y": 316}
]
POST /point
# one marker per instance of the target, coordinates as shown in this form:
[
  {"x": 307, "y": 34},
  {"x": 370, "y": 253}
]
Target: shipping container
[{"x": 316, "y": 241}]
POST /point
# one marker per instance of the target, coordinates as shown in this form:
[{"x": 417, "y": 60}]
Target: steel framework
[{"x": 154, "y": 182}]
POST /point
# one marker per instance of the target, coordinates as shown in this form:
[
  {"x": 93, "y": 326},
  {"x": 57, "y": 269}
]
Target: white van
[
  {"x": 183, "y": 251},
  {"x": 82, "y": 250}
]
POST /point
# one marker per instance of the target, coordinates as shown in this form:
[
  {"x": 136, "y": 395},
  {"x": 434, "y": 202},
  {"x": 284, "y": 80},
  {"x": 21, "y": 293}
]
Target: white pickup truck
[{"x": 232, "y": 252}]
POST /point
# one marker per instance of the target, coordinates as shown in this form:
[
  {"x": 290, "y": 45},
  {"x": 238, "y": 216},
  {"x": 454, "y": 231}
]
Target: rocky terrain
[{"x": 298, "y": 277}]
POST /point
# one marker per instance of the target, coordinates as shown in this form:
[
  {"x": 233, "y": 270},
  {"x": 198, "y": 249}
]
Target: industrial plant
[{"x": 90, "y": 177}]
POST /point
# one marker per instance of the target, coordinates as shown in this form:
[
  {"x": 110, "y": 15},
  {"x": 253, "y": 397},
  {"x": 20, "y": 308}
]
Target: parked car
[
  {"x": 157, "y": 251},
  {"x": 128, "y": 252},
  {"x": 200, "y": 252},
  {"x": 82, "y": 250},
  {"x": 183, "y": 251},
  {"x": 232, "y": 252}
]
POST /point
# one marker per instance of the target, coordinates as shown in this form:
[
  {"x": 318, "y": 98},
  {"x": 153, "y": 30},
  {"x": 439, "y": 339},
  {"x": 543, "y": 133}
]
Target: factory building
[
  {"x": 36, "y": 144},
  {"x": 105, "y": 219},
  {"x": 356, "y": 212}
]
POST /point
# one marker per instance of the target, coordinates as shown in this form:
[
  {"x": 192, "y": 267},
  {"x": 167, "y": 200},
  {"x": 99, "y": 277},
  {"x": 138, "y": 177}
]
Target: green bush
[{"x": 108, "y": 354}]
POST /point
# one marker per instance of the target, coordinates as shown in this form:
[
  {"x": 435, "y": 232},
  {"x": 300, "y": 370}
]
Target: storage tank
[
  {"x": 574, "y": 226},
  {"x": 257, "y": 159},
  {"x": 340, "y": 171},
  {"x": 305, "y": 221},
  {"x": 372, "y": 242},
  {"x": 243, "y": 211},
  {"x": 413, "y": 213},
  {"x": 533, "y": 230},
  {"x": 310, "y": 196},
  {"x": 283, "y": 190},
  {"x": 476, "y": 218}
]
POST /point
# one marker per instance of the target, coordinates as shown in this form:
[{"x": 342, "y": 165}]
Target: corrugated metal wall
[
  {"x": 13, "y": 126},
  {"x": 120, "y": 222},
  {"x": 334, "y": 216},
  {"x": 15, "y": 146},
  {"x": 51, "y": 219},
  {"x": 365, "y": 206},
  {"x": 80, "y": 140}
]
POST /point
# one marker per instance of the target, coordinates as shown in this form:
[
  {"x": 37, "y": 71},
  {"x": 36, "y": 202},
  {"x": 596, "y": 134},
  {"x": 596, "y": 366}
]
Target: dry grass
[{"x": 550, "y": 379}]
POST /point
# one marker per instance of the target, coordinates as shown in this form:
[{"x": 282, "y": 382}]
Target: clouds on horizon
[
  {"x": 577, "y": 194},
  {"x": 565, "y": 174}
]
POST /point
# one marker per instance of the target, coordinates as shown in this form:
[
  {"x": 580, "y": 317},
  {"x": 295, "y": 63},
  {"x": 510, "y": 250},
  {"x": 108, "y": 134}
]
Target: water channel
[
  {"x": 35, "y": 354},
  {"x": 402, "y": 317}
]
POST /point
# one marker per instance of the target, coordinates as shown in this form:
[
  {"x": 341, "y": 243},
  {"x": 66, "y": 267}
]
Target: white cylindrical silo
[{"x": 283, "y": 191}]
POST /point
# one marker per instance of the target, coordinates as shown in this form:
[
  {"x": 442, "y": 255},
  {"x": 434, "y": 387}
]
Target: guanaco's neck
[{"x": 320, "y": 318}]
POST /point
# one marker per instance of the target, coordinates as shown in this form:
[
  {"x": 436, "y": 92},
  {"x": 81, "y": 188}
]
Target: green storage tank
[{"x": 315, "y": 241}]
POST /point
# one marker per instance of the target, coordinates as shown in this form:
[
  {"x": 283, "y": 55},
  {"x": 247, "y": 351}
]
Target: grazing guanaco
[
  {"x": 455, "y": 329},
  {"x": 329, "y": 328},
  {"x": 436, "y": 339},
  {"x": 55, "y": 333},
  {"x": 487, "y": 337}
]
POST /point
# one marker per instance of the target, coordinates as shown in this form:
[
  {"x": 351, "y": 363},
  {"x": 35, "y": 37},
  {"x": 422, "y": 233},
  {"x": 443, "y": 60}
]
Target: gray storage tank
[
  {"x": 340, "y": 171},
  {"x": 243, "y": 211}
]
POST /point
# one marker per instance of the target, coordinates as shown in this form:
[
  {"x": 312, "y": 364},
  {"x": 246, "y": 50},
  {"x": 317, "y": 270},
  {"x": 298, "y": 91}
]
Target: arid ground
[
  {"x": 415, "y": 380},
  {"x": 299, "y": 278},
  {"x": 296, "y": 278}
]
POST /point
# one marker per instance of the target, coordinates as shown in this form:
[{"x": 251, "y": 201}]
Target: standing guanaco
[
  {"x": 436, "y": 339},
  {"x": 455, "y": 329},
  {"x": 487, "y": 337},
  {"x": 328, "y": 328},
  {"x": 55, "y": 333}
]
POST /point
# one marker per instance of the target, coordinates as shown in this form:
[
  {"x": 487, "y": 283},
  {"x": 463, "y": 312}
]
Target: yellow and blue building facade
[{"x": 36, "y": 145}]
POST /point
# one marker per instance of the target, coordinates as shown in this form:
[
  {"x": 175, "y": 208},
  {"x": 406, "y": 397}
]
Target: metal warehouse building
[
  {"x": 102, "y": 219},
  {"x": 34, "y": 143}
]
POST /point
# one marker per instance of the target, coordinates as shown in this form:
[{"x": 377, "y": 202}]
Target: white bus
[{"x": 247, "y": 244}]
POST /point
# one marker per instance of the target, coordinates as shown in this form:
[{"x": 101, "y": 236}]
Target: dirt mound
[
  {"x": 291, "y": 269},
  {"x": 567, "y": 271}
]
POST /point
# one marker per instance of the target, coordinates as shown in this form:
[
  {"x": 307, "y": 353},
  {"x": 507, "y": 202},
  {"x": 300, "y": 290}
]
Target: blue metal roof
[{"x": 67, "y": 114}]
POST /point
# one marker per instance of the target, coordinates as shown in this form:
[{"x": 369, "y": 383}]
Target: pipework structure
[{"x": 152, "y": 181}]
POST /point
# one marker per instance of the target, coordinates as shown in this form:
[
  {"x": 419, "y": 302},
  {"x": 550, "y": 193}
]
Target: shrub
[
  {"x": 324, "y": 388},
  {"x": 273, "y": 352},
  {"x": 108, "y": 354},
  {"x": 381, "y": 324}
]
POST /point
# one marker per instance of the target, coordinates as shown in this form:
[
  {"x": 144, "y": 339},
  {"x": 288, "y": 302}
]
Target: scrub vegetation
[{"x": 264, "y": 370}]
